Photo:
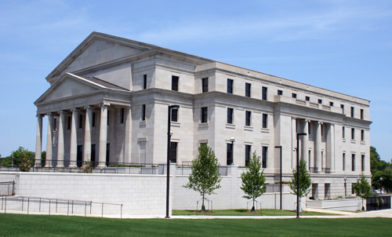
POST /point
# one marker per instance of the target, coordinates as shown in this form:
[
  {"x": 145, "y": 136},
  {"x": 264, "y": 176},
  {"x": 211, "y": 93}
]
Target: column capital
[
  {"x": 105, "y": 104},
  {"x": 320, "y": 122}
]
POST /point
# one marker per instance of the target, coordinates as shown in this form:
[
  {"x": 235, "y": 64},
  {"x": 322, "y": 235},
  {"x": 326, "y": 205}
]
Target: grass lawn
[
  {"x": 30, "y": 225},
  {"x": 244, "y": 212}
]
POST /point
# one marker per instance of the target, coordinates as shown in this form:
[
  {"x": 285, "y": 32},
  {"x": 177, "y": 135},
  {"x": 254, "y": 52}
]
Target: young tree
[
  {"x": 253, "y": 180},
  {"x": 23, "y": 158},
  {"x": 304, "y": 181},
  {"x": 362, "y": 189},
  {"x": 205, "y": 177}
]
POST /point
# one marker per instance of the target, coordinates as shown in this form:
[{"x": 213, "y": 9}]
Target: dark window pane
[
  {"x": 175, "y": 83},
  {"x": 361, "y": 113},
  {"x": 204, "y": 114},
  {"x": 280, "y": 92},
  {"x": 307, "y": 98},
  {"x": 320, "y": 101},
  {"x": 331, "y": 103},
  {"x": 248, "y": 118},
  {"x": 294, "y": 95},
  {"x": 353, "y": 133},
  {"x": 264, "y": 93},
  {"x": 362, "y": 135},
  {"x": 344, "y": 161},
  {"x": 230, "y": 86},
  {"x": 353, "y": 162},
  {"x": 122, "y": 115},
  {"x": 247, "y": 154},
  {"x": 145, "y": 81},
  {"x": 363, "y": 162},
  {"x": 143, "y": 117},
  {"x": 205, "y": 84},
  {"x": 173, "y": 152},
  {"x": 229, "y": 153},
  {"x": 265, "y": 120},
  {"x": 229, "y": 115},
  {"x": 352, "y": 112},
  {"x": 174, "y": 115},
  {"x": 247, "y": 89},
  {"x": 93, "y": 120},
  {"x": 264, "y": 156}
]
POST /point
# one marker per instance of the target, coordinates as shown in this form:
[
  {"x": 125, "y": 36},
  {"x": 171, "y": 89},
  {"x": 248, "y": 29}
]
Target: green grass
[
  {"x": 244, "y": 212},
  {"x": 30, "y": 225}
]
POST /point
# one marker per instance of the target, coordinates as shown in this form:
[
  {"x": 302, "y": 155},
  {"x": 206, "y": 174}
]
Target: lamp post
[
  {"x": 280, "y": 175},
  {"x": 169, "y": 109},
  {"x": 298, "y": 136},
  {"x": 232, "y": 139},
  {"x": 345, "y": 186}
]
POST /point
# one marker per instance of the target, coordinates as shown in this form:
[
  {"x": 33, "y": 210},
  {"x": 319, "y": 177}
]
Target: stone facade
[{"x": 108, "y": 103}]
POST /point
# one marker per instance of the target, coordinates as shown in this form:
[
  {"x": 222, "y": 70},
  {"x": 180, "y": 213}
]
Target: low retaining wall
[{"x": 350, "y": 204}]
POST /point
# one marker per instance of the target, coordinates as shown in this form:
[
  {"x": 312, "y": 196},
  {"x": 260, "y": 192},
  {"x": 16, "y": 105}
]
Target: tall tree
[
  {"x": 253, "y": 180},
  {"x": 23, "y": 158},
  {"x": 362, "y": 189},
  {"x": 205, "y": 177},
  {"x": 304, "y": 180}
]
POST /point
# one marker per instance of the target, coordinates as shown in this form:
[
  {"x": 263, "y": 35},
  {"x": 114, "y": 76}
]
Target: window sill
[
  {"x": 175, "y": 124},
  {"x": 265, "y": 130},
  {"x": 363, "y": 143},
  {"x": 142, "y": 124},
  {"x": 230, "y": 125},
  {"x": 343, "y": 139},
  {"x": 203, "y": 125},
  {"x": 248, "y": 128},
  {"x": 353, "y": 141}
]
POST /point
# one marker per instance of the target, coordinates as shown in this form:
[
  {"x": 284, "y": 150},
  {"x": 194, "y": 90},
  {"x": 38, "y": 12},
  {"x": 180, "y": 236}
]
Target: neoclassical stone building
[{"x": 108, "y": 103}]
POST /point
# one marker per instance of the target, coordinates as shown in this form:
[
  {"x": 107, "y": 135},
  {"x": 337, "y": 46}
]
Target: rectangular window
[
  {"x": 173, "y": 152},
  {"x": 174, "y": 115},
  {"x": 247, "y": 154},
  {"x": 143, "y": 117},
  {"x": 230, "y": 86},
  {"x": 331, "y": 103},
  {"x": 80, "y": 121},
  {"x": 352, "y": 188},
  {"x": 145, "y": 81},
  {"x": 108, "y": 118},
  {"x": 229, "y": 153},
  {"x": 343, "y": 132},
  {"x": 361, "y": 113},
  {"x": 204, "y": 85},
  {"x": 352, "y": 112},
  {"x": 362, "y": 135},
  {"x": 69, "y": 122},
  {"x": 230, "y": 115},
  {"x": 294, "y": 95},
  {"x": 264, "y": 156},
  {"x": 363, "y": 162},
  {"x": 247, "y": 89},
  {"x": 353, "y": 162},
  {"x": 122, "y": 112},
  {"x": 344, "y": 162},
  {"x": 320, "y": 101},
  {"x": 204, "y": 114},
  {"x": 264, "y": 93},
  {"x": 342, "y": 107},
  {"x": 248, "y": 115},
  {"x": 265, "y": 120},
  {"x": 280, "y": 92},
  {"x": 307, "y": 98},
  {"x": 352, "y": 133},
  {"x": 174, "y": 85},
  {"x": 93, "y": 120}
]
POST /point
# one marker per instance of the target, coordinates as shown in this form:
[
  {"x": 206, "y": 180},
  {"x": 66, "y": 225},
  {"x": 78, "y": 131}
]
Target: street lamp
[
  {"x": 345, "y": 186},
  {"x": 280, "y": 176},
  {"x": 232, "y": 140},
  {"x": 298, "y": 136},
  {"x": 169, "y": 110}
]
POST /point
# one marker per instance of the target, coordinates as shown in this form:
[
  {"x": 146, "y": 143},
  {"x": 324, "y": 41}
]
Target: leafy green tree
[
  {"x": 380, "y": 169},
  {"x": 362, "y": 189},
  {"x": 386, "y": 179},
  {"x": 23, "y": 158},
  {"x": 304, "y": 180},
  {"x": 253, "y": 180},
  {"x": 205, "y": 177}
]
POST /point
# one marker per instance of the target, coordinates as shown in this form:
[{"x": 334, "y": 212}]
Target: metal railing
[
  {"x": 7, "y": 188},
  {"x": 51, "y": 206}
]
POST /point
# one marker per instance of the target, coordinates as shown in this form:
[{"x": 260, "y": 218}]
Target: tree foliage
[
  {"x": 253, "y": 180},
  {"x": 304, "y": 180},
  {"x": 362, "y": 188},
  {"x": 381, "y": 171},
  {"x": 23, "y": 158},
  {"x": 205, "y": 177}
]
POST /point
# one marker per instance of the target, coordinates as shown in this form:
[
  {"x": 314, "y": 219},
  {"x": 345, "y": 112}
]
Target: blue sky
[{"x": 344, "y": 46}]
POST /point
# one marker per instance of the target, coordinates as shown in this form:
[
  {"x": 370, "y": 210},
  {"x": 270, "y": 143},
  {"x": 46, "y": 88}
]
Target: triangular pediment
[
  {"x": 68, "y": 87},
  {"x": 97, "y": 49}
]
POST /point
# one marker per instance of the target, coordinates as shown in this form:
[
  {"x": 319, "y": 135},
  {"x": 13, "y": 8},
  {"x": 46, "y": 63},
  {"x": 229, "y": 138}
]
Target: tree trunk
[
  {"x": 253, "y": 206},
  {"x": 203, "y": 208}
]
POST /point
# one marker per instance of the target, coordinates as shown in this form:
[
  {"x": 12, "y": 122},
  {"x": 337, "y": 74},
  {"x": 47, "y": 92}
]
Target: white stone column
[
  {"x": 60, "y": 141},
  {"x": 87, "y": 136},
  {"x": 331, "y": 148},
  {"x": 73, "y": 142},
  {"x": 293, "y": 142},
  {"x": 49, "y": 145},
  {"x": 103, "y": 136},
  {"x": 305, "y": 140},
  {"x": 38, "y": 142},
  {"x": 128, "y": 137},
  {"x": 317, "y": 147}
]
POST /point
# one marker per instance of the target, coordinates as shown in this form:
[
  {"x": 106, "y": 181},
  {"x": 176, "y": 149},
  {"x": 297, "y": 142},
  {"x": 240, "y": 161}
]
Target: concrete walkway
[{"x": 332, "y": 215}]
